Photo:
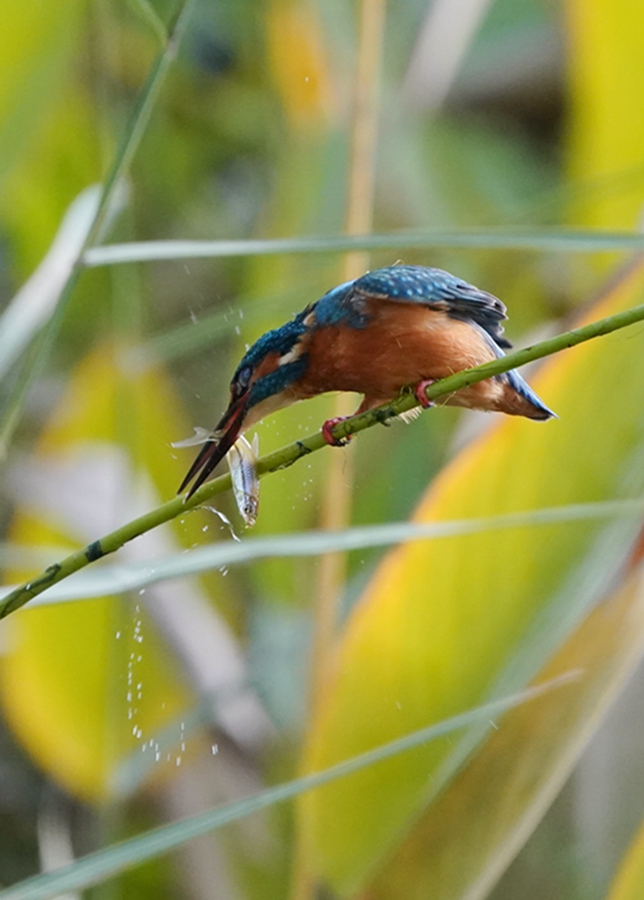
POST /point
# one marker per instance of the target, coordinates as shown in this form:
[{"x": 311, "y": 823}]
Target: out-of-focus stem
[
  {"x": 336, "y": 508},
  {"x": 338, "y": 495}
]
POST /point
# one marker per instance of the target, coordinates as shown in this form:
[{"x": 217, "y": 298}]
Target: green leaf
[{"x": 97, "y": 867}]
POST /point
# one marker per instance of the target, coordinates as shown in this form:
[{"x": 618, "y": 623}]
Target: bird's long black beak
[{"x": 213, "y": 451}]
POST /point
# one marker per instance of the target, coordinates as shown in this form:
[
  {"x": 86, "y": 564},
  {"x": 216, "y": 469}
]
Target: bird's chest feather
[{"x": 401, "y": 345}]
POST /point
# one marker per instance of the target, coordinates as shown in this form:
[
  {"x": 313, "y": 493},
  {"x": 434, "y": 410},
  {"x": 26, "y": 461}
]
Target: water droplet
[{"x": 226, "y": 521}]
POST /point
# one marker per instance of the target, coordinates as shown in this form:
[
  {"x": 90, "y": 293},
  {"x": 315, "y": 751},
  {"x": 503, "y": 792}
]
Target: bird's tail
[{"x": 535, "y": 408}]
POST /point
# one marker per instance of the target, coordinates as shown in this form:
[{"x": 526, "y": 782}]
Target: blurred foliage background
[{"x": 121, "y": 713}]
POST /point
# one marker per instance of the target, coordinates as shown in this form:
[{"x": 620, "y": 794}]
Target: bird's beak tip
[{"x": 213, "y": 451}]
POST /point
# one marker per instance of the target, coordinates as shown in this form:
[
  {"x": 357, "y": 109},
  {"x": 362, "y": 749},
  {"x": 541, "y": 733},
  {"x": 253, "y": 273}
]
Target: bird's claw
[
  {"x": 421, "y": 396},
  {"x": 329, "y": 437}
]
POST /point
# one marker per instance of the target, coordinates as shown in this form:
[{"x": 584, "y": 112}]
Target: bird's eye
[
  {"x": 242, "y": 380},
  {"x": 244, "y": 376}
]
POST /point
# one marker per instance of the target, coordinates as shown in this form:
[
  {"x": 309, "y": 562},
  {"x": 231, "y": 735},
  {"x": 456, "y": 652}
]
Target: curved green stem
[{"x": 288, "y": 455}]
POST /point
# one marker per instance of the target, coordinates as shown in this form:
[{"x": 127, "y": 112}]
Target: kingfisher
[{"x": 393, "y": 328}]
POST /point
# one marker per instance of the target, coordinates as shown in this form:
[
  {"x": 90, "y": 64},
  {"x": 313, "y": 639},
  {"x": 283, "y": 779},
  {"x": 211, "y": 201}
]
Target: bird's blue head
[
  {"x": 258, "y": 387},
  {"x": 276, "y": 360}
]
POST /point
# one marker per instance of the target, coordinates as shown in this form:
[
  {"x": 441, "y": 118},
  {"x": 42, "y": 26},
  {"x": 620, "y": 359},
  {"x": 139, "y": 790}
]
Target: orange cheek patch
[{"x": 267, "y": 365}]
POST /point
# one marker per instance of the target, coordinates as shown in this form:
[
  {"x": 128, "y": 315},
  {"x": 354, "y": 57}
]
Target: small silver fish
[{"x": 242, "y": 458}]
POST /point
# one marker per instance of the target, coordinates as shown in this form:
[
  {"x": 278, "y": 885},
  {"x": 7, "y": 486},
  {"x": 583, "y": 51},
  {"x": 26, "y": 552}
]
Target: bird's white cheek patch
[
  {"x": 291, "y": 356},
  {"x": 294, "y": 353}
]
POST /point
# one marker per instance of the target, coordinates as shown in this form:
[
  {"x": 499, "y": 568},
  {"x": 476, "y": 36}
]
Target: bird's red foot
[
  {"x": 421, "y": 396},
  {"x": 328, "y": 436}
]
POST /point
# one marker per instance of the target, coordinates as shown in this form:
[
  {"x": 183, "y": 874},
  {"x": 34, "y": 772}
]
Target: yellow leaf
[
  {"x": 35, "y": 49},
  {"x": 298, "y": 63},
  {"x": 85, "y": 684},
  {"x": 446, "y": 624},
  {"x": 629, "y": 882},
  {"x": 606, "y": 133},
  {"x": 469, "y": 835}
]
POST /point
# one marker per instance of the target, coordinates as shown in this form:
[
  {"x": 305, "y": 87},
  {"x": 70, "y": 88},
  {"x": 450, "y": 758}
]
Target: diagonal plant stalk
[
  {"x": 337, "y": 498},
  {"x": 140, "y": 116},
  {"x": 148, "y": 14},
  {"x": 287, "y": 456},
  {"x": 123, "y": 156}
]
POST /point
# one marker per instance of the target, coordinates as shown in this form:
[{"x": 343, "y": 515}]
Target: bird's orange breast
[{"x": 402, "y": 345}]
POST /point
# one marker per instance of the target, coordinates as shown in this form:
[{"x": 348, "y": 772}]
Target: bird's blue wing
[{"x": 436, "y": 288}]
